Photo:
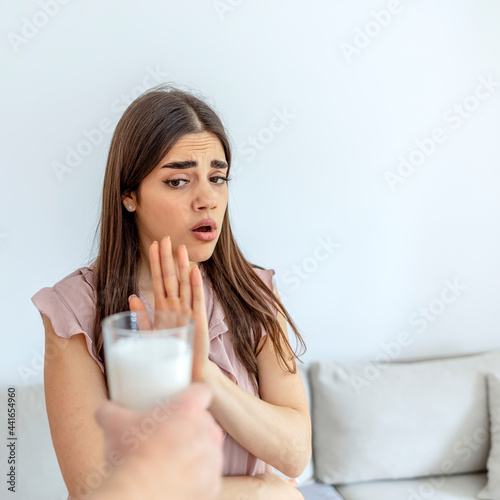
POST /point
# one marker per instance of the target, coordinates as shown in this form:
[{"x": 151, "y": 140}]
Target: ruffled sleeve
[{"x": 70, "y": 306}]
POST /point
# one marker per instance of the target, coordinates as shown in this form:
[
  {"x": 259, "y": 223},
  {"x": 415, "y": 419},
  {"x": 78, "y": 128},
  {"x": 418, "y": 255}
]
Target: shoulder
[
  {"x": 71, "y": 306},
  {"x": 82, "y": 278},
  {"x": 72, "y": 299},
  {"x": 75, "y": 289},
  {"x": 266, "y": 275}
]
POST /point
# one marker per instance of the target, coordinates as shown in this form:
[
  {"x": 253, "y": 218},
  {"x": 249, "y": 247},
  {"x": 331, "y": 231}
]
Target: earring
[{"x": 130, "y": 208}]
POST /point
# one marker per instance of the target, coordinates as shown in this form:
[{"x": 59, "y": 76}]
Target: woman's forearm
[
  {"x": 278, "y": 435},
  {"x": 247, "y": 487},
  {"x": 262, "y": 487}
]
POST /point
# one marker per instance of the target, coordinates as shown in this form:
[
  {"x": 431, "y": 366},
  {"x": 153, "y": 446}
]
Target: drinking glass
[{"x": 148, "y": 356}]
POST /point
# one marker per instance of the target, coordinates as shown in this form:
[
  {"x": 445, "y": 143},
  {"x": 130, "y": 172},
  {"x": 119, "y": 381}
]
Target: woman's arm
[
  {"x": 275, "y": 428},
  {"x": 74, "y": 388}
]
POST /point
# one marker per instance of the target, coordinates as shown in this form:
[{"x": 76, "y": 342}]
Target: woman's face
[{"x": 187, "y": 188}]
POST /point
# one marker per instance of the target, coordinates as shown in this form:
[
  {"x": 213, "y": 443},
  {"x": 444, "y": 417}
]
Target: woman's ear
[{"x": 129, "y": 201}]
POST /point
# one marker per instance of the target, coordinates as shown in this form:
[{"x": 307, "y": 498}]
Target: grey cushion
[
  {"x": 319, "y": 492},
  {"x": 460, "y": 487},
  {"x": 412, "y": 420}
]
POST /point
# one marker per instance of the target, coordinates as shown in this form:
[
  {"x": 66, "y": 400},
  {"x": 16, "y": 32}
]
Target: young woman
[{"x": 166, "y": 241}]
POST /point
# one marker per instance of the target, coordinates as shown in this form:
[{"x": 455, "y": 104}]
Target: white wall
[{"x": 358, "y": 104}]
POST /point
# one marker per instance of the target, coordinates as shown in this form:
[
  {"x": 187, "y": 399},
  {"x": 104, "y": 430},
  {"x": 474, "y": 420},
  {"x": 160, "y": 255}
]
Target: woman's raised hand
[{"x": 182, "y": 294}]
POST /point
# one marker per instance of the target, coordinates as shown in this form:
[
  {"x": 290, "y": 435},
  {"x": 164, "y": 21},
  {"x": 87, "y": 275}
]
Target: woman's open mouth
[{"x": 205, "y": 230}]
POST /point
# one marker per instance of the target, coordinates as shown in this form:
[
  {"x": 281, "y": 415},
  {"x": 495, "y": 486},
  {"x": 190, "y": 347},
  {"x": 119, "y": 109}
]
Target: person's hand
[
  {"x": 180, "y": 458},
  {"x": 278, "y": 488},
  {"x": 182, "y": 294}
]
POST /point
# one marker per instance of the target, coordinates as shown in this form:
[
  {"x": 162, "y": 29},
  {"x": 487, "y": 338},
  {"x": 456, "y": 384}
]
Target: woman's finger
[
  {"x": 200, "y": 341},
  {"x": 170, "y": 281},
  {"x": 156, "y": 274},
  {"x": 184, "y": 281},
  {"x": 136, "y": 304},
  {"x": 199, "y": 309},
  {"x": 143, "y": 320}
]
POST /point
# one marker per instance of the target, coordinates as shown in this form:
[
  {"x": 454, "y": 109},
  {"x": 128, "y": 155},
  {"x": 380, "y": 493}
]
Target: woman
[{"x": 164, "y": 213}]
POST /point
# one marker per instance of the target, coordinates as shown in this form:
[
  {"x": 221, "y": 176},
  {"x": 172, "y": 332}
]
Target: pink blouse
[{"x": 70, "y": 305}]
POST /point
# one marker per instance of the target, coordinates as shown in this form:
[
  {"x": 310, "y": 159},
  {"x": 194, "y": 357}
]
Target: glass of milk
[{"x": 148, "y": 356}]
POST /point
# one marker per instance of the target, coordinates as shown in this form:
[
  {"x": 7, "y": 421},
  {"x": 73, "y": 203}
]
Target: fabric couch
[{"x": 404, "y": 431}]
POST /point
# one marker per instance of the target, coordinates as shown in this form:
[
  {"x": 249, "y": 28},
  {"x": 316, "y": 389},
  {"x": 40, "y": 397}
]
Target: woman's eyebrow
[{"x": 192, "y": 164}]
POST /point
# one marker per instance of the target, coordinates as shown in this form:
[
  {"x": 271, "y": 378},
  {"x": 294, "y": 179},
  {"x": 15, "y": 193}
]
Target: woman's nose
[{"x": 205, "y": 198}]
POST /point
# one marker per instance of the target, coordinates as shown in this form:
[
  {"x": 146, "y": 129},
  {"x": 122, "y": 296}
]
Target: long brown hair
[{"x": 148, "y": 129}]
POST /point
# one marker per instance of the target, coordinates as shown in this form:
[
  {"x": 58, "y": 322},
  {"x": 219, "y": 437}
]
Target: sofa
[
  {"x": 405, "y": 431},
  {"x": 381, "y": 431}
]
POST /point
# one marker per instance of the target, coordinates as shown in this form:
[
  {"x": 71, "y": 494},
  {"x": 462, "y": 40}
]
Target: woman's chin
[{"x": 200, "y": 255}]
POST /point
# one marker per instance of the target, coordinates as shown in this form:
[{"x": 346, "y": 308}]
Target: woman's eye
[
  {"x": 219, "y": 179},
  {"x": 175, "y": 183}
]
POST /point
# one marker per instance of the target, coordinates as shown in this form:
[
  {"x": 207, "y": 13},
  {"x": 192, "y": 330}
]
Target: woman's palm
[{"x": 182, "y": 293}]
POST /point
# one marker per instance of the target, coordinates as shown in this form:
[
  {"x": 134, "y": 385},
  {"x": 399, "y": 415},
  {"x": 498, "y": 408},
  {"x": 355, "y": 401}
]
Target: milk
[{"x": 144, "y": 371}]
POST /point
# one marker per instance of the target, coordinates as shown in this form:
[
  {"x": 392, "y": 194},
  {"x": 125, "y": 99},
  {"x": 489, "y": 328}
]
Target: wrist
[{"x": 211, "y": 374}]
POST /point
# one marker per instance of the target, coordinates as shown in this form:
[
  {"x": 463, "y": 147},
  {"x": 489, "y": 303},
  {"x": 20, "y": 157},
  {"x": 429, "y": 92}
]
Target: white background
[{"x": 358, "y": 101}]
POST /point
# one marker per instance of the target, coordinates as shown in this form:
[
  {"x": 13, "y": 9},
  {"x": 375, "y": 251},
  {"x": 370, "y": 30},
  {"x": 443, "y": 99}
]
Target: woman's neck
[{"x": 144, "y": 279}]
